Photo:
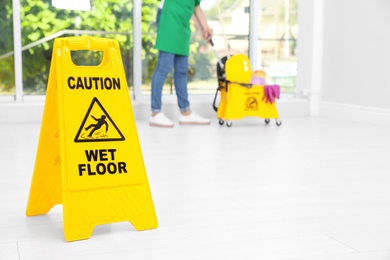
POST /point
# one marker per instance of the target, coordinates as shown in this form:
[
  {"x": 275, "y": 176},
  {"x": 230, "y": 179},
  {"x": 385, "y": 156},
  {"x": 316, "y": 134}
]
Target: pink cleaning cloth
[{"x": 271, "y": 92}]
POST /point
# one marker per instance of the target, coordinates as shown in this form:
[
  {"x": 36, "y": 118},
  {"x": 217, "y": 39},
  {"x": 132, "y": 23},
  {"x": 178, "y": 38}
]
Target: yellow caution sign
[{"x": 89, "y": 157}]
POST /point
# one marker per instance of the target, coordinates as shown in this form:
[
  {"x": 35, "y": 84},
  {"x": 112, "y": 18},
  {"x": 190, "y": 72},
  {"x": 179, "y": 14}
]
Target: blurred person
[{"x": 173, "y": 41}]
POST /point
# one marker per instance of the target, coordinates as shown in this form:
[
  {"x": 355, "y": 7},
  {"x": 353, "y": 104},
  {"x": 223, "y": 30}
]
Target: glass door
[{"x": 7, "y": 77}]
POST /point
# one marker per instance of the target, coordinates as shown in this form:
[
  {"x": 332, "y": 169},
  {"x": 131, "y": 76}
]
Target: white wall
[
  {"x": 357, "y": 52},
  {"x": 353, "y": 47},
  {"x": 305, "y": 44},
  {"x": 309, "y": 59}
]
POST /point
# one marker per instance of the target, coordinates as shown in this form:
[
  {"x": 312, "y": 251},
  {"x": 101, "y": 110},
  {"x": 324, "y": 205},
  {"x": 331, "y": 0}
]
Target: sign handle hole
[{"x": 87, "y": 57}]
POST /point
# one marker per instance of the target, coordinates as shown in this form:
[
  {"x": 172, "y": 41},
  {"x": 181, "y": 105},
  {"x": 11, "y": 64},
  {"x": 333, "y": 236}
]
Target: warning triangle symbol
[{"x": 98, "y": 126}]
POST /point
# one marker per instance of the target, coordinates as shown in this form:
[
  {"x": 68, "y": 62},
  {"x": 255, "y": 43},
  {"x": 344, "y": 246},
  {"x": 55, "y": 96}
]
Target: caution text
[{"x": 96, "y": 83}]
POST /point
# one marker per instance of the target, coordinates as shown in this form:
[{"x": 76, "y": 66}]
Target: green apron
[{"x": 174, "y": 33}]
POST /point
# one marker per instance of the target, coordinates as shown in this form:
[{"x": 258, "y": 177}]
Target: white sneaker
[
  {"x": 160, "y": 120},
  {"x": 193, "y": 119}
]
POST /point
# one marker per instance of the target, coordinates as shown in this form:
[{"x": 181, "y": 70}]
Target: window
[
  {"x": 41, "y": 22},
  {"x": 278, "y": 32},
  {"x": 230, "y": 22},
  {"x": 225, "y": 19},
  {"x": 7, "y": 77}
]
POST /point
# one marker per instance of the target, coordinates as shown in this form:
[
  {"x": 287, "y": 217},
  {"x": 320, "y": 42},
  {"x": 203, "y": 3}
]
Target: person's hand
[{"x": 208, "y": 34}]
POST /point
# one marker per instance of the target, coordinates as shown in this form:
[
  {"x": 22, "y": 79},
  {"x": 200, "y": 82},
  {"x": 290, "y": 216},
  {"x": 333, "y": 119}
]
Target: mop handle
[{"x": 216, "y": 54}]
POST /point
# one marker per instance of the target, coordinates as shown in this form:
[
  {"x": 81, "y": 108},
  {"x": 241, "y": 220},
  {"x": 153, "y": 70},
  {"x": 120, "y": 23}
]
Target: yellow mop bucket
[{"x": 240, "y": 98}]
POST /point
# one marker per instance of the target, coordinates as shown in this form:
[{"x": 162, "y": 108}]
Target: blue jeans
[
  {"x": 158, "y": 15},
  {"x": 164, "y": 65}
]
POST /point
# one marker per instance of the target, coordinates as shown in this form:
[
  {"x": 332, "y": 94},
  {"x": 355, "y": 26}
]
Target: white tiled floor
[{"x": 312, "y": 189}]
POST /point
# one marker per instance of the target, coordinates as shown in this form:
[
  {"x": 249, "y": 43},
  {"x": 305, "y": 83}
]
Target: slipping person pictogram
[
  {"x": 252, "y": 103},
  {"x": 90, "y": 131},
  {"x": 100, "y": 122}
]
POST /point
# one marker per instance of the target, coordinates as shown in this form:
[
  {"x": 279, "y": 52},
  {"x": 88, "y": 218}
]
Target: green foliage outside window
[
  {"x": 40, "y": 19},
  {"x": 109, "y": 18}
]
